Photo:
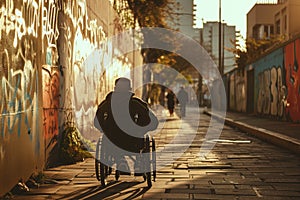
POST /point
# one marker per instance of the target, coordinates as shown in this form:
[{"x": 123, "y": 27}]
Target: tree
[
  {"x": 154, "y": 13},
  {"x": 254, "y": 49},
  {"x": 147, "y": 14}
]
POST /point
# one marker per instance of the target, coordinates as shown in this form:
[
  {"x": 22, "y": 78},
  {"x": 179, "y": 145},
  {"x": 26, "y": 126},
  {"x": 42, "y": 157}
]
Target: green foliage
[
  {"x": 144, "y": 12},
  {"x": 73, "y": 148},
  {"x": 147, "y": 14},
  {"x": 255, "y": 49},
  {"x": 155, "y": 13}
]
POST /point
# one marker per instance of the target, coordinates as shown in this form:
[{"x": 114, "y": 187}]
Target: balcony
[{"x": 270, "y": 1}]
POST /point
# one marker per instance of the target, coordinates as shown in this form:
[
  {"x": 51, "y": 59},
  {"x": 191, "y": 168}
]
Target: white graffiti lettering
[
  {"x": 76, "y": 10},
  {"x": 22, "y": 22},
  {"x": 49, "y": 21},
  {"x": 272, "y": 92}
]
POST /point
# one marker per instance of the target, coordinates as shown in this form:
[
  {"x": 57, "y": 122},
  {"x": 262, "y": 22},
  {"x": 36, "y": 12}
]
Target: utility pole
[{"x": 221, "y": 70}]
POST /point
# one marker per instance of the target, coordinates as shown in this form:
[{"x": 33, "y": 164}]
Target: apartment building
[
  {"x": 210, "y": 41},
  {"x": 185, "y": 19},
  {"x": 268, "y": 18}
]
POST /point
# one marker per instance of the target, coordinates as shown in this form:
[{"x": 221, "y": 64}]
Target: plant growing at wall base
[{"x": 72, "y": 148}]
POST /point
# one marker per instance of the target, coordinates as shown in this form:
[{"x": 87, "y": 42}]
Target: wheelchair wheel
[
  {"x": 148, "y": 162},
  {"x": 103, "y": 174},
  {"x": 101, "y": 170},
  {"x": 97, "y": 160},
  {"x": 153, "y": 160},
  {"x": 117, "y": 175}
]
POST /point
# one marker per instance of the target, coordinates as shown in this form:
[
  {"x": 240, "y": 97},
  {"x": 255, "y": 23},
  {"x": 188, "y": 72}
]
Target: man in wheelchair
[{"x": 124, "y": 119}]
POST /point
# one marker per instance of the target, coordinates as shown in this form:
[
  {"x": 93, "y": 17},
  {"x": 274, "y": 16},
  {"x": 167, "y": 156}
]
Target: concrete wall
[
  {"x": 56, "y": 66},
  {"x": 292, "y": 80},
  {"x": 237, "y": 91},
  {"x": 23, "y": 46},
  {"x": 269, "y": 80},
  {"x": 276, "y": 84}
]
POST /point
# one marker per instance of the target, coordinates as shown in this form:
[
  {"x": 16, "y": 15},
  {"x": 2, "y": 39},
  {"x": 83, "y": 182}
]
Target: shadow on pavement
[{"x": 113, "y": 190}]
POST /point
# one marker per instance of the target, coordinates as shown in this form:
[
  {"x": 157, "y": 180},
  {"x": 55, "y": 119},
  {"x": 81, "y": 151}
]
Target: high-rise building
[
  {"x": 210, "y": 41},
  {"x": 184, "y": 20},
  {"x": 208, "y": 36}
]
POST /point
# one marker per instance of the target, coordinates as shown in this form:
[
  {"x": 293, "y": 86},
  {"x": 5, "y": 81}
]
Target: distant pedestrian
[
  {"x": 207, "y": 99},
  {"x": 171, "y": 102},
  {"x": 183, "y": 99}
]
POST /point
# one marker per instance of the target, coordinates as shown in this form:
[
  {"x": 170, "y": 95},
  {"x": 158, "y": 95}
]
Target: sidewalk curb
[{"x": 275, "y": 138}]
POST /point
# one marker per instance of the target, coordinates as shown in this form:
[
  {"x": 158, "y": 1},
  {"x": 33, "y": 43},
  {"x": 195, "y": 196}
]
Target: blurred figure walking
[
  {"x": 171, "y": 102},
  {"x": 183, "y": 99}
]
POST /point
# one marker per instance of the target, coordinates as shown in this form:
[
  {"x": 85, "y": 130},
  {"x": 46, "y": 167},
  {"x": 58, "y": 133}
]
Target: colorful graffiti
[
  {"x": 83, "y": 61},
  {"x": 269, "y": 85},
  {"x": 56, "y": 66},
  {"x": 18, "y": 83},
  {"x": 271, "y": 93},
  {"x": 264, "y": 95},
  {"x": 292, "y": 59},
  {"x": 20, "y": 19},
  {"x": 19, "y": 34},
  {"x": 27, "y": 28},
  {"x": 276, "y": 86},
  {"x": 89, "y": 69},
  {"x": 19, "y": 94},
  {"x": 50, "y": 101}
]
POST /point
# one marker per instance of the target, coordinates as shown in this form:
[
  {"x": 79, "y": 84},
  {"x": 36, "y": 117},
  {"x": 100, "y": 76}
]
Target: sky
[{"x": 234, "y": 12}]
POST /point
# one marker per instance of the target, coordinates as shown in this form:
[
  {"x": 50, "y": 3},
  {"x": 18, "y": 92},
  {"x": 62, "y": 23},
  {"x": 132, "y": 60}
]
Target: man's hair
[{"x": 122, "y": 84}]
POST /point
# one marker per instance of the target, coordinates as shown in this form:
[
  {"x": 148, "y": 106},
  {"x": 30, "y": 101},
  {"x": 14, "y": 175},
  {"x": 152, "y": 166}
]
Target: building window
[
  {"x": 285, "y": 23},
  {"x": 266, "y": 31},
  {"x": 277, "y": 27},
  {"x": 272, "y": 30},
  {"x": 255, "y": 31}
]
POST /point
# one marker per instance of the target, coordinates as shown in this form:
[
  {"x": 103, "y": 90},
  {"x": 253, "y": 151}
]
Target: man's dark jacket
[{"x": 125, "y": 120}]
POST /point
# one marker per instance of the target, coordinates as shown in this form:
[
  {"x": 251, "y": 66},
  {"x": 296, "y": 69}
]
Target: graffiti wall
[
  {"x": 21, "y": 135},
  {"x": 95, "y": 64},
  {"x": 237, "y": 91},
  {"x": 56, "y": 66},
  {"x": 269, "y": 84},
  {"x": 292, "y": 77},
  {"x": 276, "y": 84}
]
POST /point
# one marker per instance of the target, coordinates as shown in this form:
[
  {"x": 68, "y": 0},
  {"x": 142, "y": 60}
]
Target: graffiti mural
[
  {"x": 271, "y": 96},
  {"x": 18, "y": 83},
  {"x": 292, "y": 59},
  {"x": 50, "y": 101},
  {"x": 56, "y": 66},
  {"x": 85, "y": 63},
  {"x": 20, "y": 111},
  {"x": 276, "y": 85},
  {"x": 264, "y": 93},
  {"x": 269, "y": 85},
  {"x": 94, "y": 66}
]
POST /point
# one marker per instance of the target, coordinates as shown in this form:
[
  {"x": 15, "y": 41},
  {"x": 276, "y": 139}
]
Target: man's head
[{"x": 122, "y": 84}]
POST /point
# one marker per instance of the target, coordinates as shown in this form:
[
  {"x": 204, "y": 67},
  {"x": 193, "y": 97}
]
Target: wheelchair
[{"x": 144, "y": 161}]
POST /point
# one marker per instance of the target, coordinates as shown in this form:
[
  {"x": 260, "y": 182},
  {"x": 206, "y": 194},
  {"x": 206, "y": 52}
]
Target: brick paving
[{"x": 239, "y": 166}]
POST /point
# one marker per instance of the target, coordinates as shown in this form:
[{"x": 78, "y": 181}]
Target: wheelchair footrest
[
  {"x": 138, "y": 174},
  {"x": 125, "y": 173}
]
